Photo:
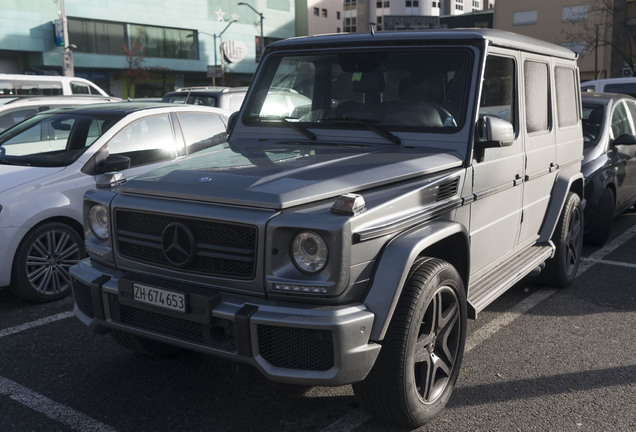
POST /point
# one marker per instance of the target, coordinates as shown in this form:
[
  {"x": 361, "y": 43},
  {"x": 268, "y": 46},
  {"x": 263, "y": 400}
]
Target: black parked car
[{"x": 609, "y": 131}]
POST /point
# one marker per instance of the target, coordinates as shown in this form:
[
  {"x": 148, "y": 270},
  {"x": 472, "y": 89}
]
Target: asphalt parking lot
[{"x": 537, "y": 359}]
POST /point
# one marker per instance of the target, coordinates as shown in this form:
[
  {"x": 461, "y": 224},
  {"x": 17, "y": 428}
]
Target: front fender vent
[{"x": 447, "y": 190}]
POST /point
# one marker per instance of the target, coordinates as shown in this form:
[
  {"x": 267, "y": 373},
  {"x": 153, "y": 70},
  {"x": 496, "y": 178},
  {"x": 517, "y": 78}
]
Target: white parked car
[
  {"x": 46, "y": 85},
  {"x": 47, "y": 162},
  {"x": 16, "y": 109}
]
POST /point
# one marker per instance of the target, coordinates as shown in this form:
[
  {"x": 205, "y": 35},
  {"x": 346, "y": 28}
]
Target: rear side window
[
  {"x": 625, "y": 88},
  {"x": 79, "y": 88},
  {"x": 537, "y": 91},
  {"x": 567, "y": 106},
  {"x": 201, "y": 130}
]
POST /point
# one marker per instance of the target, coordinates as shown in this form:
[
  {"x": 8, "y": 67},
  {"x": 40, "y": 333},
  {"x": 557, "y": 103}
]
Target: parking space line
[
  {"x": 608, "y": 262},
  {"x": 36, "y": 323},
  {"x": 53, "y": 410}
]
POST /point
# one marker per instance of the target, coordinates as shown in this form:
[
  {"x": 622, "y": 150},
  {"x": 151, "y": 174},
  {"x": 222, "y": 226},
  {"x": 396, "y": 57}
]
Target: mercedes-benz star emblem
[{"x": 178, "y": 244}]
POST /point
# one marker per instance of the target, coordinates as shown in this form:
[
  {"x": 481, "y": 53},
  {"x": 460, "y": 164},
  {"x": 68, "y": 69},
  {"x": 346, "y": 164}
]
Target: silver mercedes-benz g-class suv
[{"x": 348, "y": 239}]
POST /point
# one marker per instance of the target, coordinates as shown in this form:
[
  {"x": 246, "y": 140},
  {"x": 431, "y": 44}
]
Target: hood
[
  {"x": 12, "y": 176},
  {"x": 282, "y": 175}
]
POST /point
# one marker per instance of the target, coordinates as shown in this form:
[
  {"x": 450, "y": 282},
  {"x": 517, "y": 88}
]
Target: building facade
[
  {"x": 598, "y": 30},
  {"x": 315, "y": 17},
  {"x": 360, "y": 15},
  {"x": 140, "y": 48}
]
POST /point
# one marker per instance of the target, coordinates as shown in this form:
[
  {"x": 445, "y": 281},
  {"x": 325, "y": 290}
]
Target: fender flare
[
  {"x": 562, "y": 186},
  {"x": 394, "y": 266}
]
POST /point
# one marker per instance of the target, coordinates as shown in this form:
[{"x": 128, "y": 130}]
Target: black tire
[
  {"x": 147, "y": 347},
  {"x": 417, "y": 368},
  {"x": 561, "y": 270},
  {"x": 601, "y": 227},
  {"x": 40, "y": 267}
]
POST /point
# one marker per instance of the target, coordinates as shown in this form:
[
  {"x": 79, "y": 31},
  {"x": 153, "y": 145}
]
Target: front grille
[
  {"x": 296, "y": 348},
  {"x": 222, "y": 249},
  {"x": 217, "y": 334},
  {"x": 83, "y": 299}
]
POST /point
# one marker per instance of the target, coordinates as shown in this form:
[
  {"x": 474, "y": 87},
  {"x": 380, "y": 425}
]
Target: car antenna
[{"x": 372, "y": 29}]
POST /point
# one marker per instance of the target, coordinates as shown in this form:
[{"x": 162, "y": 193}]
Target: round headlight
[
  {"x": 98, "y": 221},
  {"x": 309, "y": 251}
]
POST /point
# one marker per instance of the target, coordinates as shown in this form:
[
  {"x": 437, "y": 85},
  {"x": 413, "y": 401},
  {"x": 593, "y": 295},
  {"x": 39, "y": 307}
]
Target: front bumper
[{"x": 288, "y": 342}]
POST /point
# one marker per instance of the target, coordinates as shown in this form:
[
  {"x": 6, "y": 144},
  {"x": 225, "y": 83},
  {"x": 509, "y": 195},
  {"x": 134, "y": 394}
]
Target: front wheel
[
  {"x": 561, "y": 270},
  {"x": 42, "y": 263},
  {"x": 415, "y": 374}
]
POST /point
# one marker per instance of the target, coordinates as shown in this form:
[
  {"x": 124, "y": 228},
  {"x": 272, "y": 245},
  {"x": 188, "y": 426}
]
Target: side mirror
[
  {"x": 625, "y": 139},
  {"x": 113, "y": 163},
  {"x": 492, "y": 132},
  {"x": 231, "y": 122}
]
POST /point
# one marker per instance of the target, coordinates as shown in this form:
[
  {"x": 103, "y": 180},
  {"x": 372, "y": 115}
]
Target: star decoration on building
[
  {"x": 235, "y": 17},
  {"x": 220, "y": 15}
]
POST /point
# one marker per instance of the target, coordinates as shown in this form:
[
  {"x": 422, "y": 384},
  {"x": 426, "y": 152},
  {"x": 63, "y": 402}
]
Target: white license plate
[{"x": 159, "y": 297}]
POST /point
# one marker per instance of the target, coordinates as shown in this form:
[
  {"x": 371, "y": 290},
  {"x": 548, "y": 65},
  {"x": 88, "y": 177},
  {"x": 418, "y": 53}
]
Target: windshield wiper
[
  {"x": 303, "y": 130},
  {"x": 368, "y": 124}
]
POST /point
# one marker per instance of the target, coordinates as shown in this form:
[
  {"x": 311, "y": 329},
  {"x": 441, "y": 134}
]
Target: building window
[
  {"x": 338, "y": 15},
  {"x": 387, "y": 4},
  {"x": 459, "y": 5},
  {"x": 524, "y": 18},
  {"x": 574, "y": 13},
  {"x": 316, "y": 12},
  {"x": 350, "y": 25},
  {"x": 323, "y": 13},
  {"x": 378, "y": 5}
]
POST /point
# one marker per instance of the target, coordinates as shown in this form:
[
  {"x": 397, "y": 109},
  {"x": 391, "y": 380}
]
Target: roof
[
  {"x": 445, "y": 36},
  {"x": 126, "y": 108}
]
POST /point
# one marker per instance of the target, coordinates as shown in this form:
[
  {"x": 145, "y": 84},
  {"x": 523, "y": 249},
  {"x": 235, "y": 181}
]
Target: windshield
[
  {"x": 51, "y": 140},
  {"x": 408, "y": 89}
]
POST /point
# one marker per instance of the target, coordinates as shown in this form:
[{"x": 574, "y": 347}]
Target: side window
[
  {"x": 567, "y": 105},
  {"x": 631, "y": 106},
  {"x": 79, "y": 88},
  {"x": 498, "y": 91},
  {"x": 620, "y": 122},
  {"x": 201, "y": 130},
  {"x": 537, "y": 92},
  {"x": 145, "y": 141}
]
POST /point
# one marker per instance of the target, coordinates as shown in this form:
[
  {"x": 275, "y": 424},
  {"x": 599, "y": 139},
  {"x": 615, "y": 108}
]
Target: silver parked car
[{"x": 47, "y": 162}]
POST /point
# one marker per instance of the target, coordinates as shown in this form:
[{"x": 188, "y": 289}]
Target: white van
[
  {"x": 46, "y": 85},
  {"x": 611, "y": 85}
]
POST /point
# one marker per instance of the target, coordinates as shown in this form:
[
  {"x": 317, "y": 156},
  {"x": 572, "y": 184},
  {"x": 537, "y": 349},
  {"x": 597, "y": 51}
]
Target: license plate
[{"x": 159, "y": 297}]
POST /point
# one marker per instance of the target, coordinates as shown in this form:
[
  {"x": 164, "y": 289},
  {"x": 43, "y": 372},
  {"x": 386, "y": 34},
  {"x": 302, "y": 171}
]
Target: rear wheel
[
  {"x": 561, "y": 270},
  {"x": 415, "y": 374},
  {"x": 144, "y": 346},
  {"x": 41, "y": 265}
]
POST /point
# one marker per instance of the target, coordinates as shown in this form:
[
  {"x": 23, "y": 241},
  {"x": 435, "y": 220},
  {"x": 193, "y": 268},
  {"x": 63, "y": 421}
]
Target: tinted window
[
  {"x": 625, "y": 88},
  {"x": 537, "y": 91},
  {"x": 79, "y": 88},
  {"x": 201, "y": 130}
]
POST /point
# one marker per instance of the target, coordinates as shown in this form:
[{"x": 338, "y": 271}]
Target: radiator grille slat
[{"x": 222, "y": 249}]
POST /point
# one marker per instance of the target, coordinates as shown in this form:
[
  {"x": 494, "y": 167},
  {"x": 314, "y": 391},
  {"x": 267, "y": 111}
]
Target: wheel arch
[
  {"x": 563, "y": 185},
  {"x": 442, "y": 239},
  {"x": 77, "y": 226}
]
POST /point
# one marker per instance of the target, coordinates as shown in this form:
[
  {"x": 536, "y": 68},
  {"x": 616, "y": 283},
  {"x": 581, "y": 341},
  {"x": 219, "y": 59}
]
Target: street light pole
[
  {"x": 262, "y": 41},
  {"x": 67, "y": 54},
  {"x": 221, "y": 49}
]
